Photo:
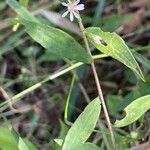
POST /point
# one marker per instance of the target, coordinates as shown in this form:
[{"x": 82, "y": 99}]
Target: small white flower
[{"x": 73, "y": 8}]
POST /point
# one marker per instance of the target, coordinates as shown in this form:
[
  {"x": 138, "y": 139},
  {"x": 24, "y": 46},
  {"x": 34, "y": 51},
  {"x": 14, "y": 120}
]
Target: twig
[{"x": 100, "y": 93}]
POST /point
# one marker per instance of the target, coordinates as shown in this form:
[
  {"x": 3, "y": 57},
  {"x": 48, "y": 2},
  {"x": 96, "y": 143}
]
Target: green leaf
[
  {"x": 57, "y": 42},
  {"x": 7, "y": 141},
  {"x": 115, "y": 47},
  {"x": 134, "y": 111},
  {"x": 83, "y": 126}
]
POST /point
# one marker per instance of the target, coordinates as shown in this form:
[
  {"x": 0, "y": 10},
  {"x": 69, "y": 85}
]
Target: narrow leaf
[
  {"x": 83, "y": 126},
  {"x": 134, "y": 111},
  {"x": 113, "y": 45},
  {"x": 57, "y": 42}
]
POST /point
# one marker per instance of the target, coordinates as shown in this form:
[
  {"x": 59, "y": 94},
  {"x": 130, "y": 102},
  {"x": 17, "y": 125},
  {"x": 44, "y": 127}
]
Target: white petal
[
  {"x": 65, "y": 14},
  {"x": 76, "y": 14},
  {"x": 79, "y": 7},
  {"x": 76, "y": 2},
  {"x": 65, "y": 4},
  {"x": 71, "y": 17}
]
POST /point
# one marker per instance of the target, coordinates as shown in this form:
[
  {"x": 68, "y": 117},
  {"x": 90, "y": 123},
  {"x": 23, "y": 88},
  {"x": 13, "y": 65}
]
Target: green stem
[
  {"x": 51, "y": 77},
  {"x": 68, "y": 100},
  {"x": 36, "y": 86}
]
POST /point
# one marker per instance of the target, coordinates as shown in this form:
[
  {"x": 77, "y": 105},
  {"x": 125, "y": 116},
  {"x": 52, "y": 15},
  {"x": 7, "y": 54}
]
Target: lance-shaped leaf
[
  {"x": 56, "y": 41},
  {"x": 113, "y": 45},
  {"x": 134, "y": 111},
  {"x": 83, "y": 126}
]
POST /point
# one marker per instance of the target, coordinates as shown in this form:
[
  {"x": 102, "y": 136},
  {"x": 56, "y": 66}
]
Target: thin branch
[{"x": 100, "y": 93}]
